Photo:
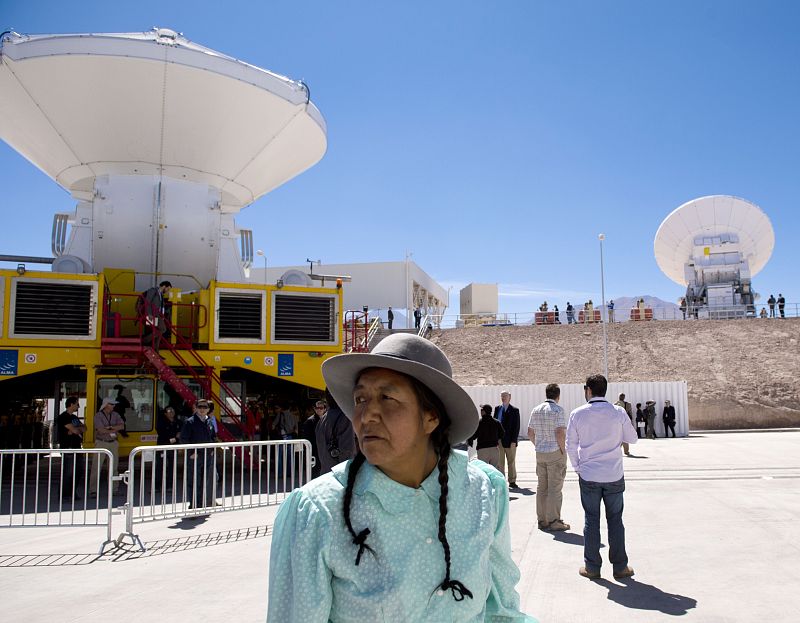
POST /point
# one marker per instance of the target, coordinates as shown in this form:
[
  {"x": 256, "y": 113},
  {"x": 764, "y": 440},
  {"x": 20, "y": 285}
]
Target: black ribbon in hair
[
  {"x": 360, "y": 540},
  {"x": 458, "y": 589}
]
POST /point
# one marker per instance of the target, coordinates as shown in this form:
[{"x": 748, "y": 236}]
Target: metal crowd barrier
[
  {"x": 188, "y": 480},
  {"x": 40, "y": 488}
]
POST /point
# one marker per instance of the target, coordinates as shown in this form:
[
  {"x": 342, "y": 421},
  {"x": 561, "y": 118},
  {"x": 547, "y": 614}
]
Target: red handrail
[
  {"x": 182, "y": 343},
  {"x": 355, "y": 323}
]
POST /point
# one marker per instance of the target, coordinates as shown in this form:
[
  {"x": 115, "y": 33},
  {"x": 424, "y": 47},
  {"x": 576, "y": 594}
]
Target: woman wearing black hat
[{"x": 372, "y": 540}]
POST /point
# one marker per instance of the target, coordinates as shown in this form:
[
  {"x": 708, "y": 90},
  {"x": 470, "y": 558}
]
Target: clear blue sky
[{"x": 494, "y": 140}]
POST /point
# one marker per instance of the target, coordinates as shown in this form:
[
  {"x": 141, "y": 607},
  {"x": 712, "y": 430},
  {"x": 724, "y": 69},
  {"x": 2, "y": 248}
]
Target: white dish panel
[
  {"x": 79, "y": 107},
  {"x": 711, "y": 216}
]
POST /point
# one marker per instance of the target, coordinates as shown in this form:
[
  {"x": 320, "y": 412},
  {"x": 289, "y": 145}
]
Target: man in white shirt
[
  {"x": 547, "y": 430},
  {"x": 595, "y": 433}
]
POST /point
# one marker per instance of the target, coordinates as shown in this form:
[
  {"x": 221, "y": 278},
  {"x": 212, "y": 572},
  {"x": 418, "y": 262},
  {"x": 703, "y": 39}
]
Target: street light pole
[
  {"x": 264, "y": 255},
  {"x": 408, "y": 291},
  {"x": 602, "y": 237}
]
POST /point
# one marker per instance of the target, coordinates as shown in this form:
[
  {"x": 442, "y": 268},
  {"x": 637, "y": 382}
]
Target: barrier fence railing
[
  {"x": 40, "y": 488},
  {"x": 616, "y": 315},
  {"x": 186, "y": 480}
]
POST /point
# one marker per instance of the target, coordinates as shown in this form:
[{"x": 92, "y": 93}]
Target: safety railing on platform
[
  {"x": 40, "y": 488},
  {"x": 125, "y": 315},
  {"x": 197, "y": 479},
  {"x": 356, "y": 331},
  {"x": 374, "y": 326},
  {"x": 158, "y": 330},
  {"x": 426, "y": 325},
  {"x": 616, "y": 315}
]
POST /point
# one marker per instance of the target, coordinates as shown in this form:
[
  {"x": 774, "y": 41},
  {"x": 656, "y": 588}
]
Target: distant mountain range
[
  {"x": 662, "y": 310},
  {"x": 626, "y": 302}
]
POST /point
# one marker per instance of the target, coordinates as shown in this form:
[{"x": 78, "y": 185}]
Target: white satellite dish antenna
[
  {"x": 715, "y": 243},
  {"x": 709, "y": 217},
  {"x": 162, "y": 141},
  {"x": 295, "y": 277}
]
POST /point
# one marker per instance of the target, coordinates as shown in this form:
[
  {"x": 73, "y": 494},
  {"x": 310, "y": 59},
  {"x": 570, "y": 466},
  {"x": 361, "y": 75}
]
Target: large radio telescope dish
[
  {"x": 84, "y": 106},
  {"x": 712, "y": 216}
]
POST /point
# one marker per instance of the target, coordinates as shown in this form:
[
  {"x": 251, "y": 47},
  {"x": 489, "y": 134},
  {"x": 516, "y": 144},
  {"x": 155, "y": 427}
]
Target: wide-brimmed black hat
[{"x": 416, "y": 357}]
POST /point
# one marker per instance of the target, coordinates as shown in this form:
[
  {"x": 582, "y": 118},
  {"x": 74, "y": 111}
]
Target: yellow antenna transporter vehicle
[{"x": 161, "y": 142}]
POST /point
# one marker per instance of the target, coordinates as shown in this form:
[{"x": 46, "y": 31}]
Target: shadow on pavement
[
  {"x": 637, "y": 456},
  {"x": 123, "y": 553},
  {"x": 181, "y": 544},
  {"x": 523, "y": 491},
  {"x": 568, "y": 537},
  {"x": 632, "y": 594},
  {"x": 47, "y": 560},
  {"x": 189, "y": 523}
]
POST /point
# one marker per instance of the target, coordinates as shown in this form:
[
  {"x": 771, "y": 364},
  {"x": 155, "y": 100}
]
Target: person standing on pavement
[
  {"x": 310, "y": 433},
  {"x": 547, "y": 430},
  {"x": 594, "y": 434},
  {"x": 641, "y": 420},
  {"x": 488, "y": 436},
  {"x": 408, "y": 530},
  {"x": 390, "y": 317},
  {"x": 107, "y": 425},
  {"x": 336, "y": 441},
  {"x": 70, "y": 437},
  {"x": 668, "y": 417},
  {"x": 169, "y": 433},
  {"x": 508, "y": 416},
  {"x": 627, "y": 406},
  {"x": 650, "y": 414},
  {"x": 199, "y": 429}
]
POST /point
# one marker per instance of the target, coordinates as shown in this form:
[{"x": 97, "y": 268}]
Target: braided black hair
[
  {"x": 428, "y": 402},
  {"x": 360, "y": 538}
]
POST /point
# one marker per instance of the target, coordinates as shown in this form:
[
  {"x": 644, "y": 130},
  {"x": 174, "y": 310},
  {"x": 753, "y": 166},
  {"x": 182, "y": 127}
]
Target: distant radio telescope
[{"x": 714, "y": 246}]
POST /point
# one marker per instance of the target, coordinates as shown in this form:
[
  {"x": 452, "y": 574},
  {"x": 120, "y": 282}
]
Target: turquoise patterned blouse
[{"x": 312, "y": 571}]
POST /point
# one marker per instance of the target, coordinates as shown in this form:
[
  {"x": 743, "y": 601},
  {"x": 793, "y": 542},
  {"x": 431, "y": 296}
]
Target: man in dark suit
[
  {"x": 508, "y": 416},
  {"x": 390, "y": 316},
  {"x": 668, "y": 417}
]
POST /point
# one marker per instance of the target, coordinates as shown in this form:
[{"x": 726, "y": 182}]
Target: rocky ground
[{"x": 740, "y": 373}]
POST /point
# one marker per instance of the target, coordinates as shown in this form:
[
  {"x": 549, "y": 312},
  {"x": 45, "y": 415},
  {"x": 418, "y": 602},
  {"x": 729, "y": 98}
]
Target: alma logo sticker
[
  {"x": 8, "y": 362},
  {"x": 286, "y": 364}
]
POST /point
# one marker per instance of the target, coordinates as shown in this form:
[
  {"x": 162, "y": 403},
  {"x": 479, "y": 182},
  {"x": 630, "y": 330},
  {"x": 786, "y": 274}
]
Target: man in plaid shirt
[{"x": 547, "y": 430}]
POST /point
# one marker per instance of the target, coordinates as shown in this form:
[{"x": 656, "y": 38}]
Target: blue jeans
[{"x": 611, "y": 495}]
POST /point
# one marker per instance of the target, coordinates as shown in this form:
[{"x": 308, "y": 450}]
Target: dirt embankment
[{"x": 740, "y": 373}]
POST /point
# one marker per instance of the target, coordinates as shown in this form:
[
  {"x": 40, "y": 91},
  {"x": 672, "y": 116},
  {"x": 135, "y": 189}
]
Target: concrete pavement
[{"x": 711, "y": 521}]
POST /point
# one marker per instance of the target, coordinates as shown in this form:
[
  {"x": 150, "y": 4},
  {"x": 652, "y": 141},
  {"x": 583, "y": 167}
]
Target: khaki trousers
[
  {"x": 99, "y": 459},
  {"x": 510, "y": 455},
  {"x": 490, "y": 456},
  {"x": 551, "y": 467}
]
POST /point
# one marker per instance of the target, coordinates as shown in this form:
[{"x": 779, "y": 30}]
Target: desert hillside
[{"x": 741, "y": 373}]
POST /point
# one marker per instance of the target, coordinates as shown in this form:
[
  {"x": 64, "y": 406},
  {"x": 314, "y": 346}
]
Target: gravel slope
[{"x": 741, "y": 373}]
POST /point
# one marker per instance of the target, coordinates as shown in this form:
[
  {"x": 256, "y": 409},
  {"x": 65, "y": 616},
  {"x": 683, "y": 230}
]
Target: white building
[
  {"x": 378, "y": 285},
  {"x": 479, "y": 298}
]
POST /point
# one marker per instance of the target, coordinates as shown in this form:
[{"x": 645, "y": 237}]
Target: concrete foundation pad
[{"x": 711, "y": 530}]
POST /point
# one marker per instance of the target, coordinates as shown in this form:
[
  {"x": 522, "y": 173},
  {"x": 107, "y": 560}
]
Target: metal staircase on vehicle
[{"x": 133, "y": 351}]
